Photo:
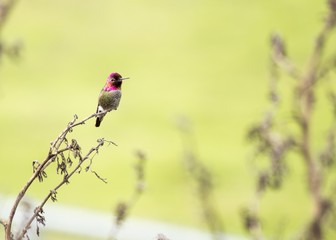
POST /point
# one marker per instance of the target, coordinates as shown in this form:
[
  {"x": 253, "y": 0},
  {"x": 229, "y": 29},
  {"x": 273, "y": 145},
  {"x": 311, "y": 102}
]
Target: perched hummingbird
[{"x": 109, "y": 96}]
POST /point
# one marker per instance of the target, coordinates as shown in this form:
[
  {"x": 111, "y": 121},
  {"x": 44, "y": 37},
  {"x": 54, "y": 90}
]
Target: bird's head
[{"x": 115, "y": 79}]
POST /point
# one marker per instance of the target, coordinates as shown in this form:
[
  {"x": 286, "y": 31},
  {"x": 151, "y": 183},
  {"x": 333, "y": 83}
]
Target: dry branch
[
  {"x": 303, "y": 108},
  {"x": 56, "y": 151}
]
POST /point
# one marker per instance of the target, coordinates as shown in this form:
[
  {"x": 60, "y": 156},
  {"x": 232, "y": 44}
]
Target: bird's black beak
[{"x": 124, "y": 78}]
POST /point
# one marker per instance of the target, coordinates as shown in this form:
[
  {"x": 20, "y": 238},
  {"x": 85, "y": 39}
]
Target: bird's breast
[{"x": 110, "y": 100}]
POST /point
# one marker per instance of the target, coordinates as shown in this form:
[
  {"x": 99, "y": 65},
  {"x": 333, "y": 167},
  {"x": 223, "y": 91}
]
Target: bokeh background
[{"x": 204, "y": 60}]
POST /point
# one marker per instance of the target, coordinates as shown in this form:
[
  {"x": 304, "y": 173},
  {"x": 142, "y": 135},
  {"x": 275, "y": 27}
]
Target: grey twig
[
  {"x": 39, "y": 169},
  {"x": 280, "y": 58},
  {"x": 53, "y": 192}
]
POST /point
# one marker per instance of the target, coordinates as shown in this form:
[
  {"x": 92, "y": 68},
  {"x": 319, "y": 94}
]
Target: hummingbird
[{"x": 109, "y": 96}]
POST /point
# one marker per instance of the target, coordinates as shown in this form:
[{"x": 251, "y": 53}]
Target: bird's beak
[{"x": 124, "y": 78}]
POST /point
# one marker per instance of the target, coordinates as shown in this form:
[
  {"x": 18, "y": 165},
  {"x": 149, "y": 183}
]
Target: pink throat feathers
[{"x": 108, "y": 88}]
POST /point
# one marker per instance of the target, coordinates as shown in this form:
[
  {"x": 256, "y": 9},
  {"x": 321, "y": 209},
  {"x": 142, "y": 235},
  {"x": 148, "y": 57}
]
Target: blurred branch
[
  {"x": 11, "y": 50},
  {"x": 204, "y": 183},
  {"x": 3, "y": 222},
  {"x": 279, "y": 56},
  {"x": 305, "y": 99},
  {"x": 274, "y": 144},
  {"x": 6, "y": 7},
  {"x": 252, "y": 221},
  {"x": 55, "y": 154},
  {"x": 123, "y": 208}
]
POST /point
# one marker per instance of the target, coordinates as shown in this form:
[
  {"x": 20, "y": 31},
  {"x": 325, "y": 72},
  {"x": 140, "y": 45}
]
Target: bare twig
[
  {"x": 53, "y": 154},
  {"x": 52, "y": 193},
  {"x": 3, "y": 222},
  {"x": 99, "y": 177},
  {"x": 279, "y": 57}
]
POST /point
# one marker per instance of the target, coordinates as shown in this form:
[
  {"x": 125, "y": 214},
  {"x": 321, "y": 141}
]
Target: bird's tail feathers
[{"x": 98, "y": 121}]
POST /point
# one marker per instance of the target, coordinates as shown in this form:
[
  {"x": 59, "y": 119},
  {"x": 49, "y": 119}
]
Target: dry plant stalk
[
  {"x": 56, "y": 154},
  {"x": 202, "y": 178},
  {"x": 11, "y": 50},
  {"x": 275, "y": 144},
  {"x": 123, "y": 208}
]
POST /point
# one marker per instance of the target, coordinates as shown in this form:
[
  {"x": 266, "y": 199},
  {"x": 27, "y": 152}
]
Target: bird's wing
[
  {"x": 116, "y": 96},
  {"x": 101, "y": 91}
]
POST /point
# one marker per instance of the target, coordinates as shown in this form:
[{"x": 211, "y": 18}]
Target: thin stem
[
  {"x": 306, "y": 102},
  {"x": 65, "y": 180},
  {"x": 5, "y": 10},
  {"x": 20, "y": 196},
  {"x": 50, "y": 157}
]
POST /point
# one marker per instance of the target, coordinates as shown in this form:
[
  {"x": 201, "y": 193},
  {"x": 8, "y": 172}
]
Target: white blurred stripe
[{"x": 99, "y": 225}]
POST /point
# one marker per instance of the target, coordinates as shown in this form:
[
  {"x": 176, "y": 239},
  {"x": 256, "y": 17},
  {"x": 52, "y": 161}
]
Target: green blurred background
[{"x": 206, "y": 60}]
